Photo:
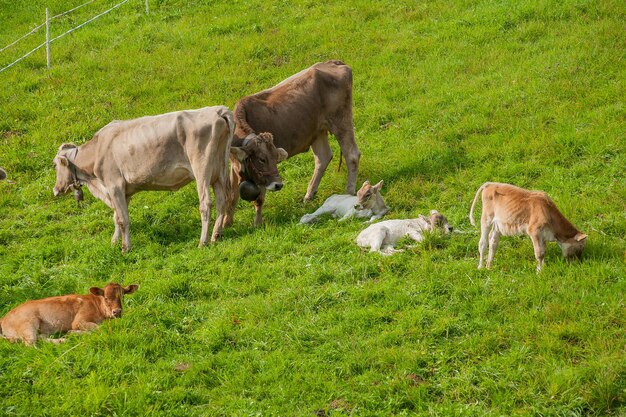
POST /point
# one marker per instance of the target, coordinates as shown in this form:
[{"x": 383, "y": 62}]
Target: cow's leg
[
  {"x": 233, "y": 198},
  {"x": 204, "y": 199},
  {"x": 539, "y": 246},
  {"x": 483, "y": 242},
  {"x": 494, "y": 239},
  {"x": 80, "y": 324},
  {"x": 344, "y": 132},
  {"x": 221, "y": 205},
  {"x": 322, "y": 155},
  {"x": 122, "y": 221},
  {"x": 415, "y": 235},
  {"x": 258, "y": 206},
  {"x": 377, "y": 240},
  {"x": 25, "y": 331},
  {"x": 117, "y": 233},
  {"x": 324, "y": 209}
]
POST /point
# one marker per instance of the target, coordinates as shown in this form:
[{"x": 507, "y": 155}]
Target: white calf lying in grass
[
  {"x": 387, "y": 233},
  {"x": 367, "y": 203}
]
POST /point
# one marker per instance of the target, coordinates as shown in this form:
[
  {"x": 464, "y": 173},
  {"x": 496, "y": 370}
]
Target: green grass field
[{"x": 285, "y": 320}]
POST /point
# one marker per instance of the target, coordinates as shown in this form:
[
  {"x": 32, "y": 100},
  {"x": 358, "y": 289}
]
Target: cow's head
[
  {"x": 366, "y": 196},
  {"x": 65, "y": 169},
  {"x": 439, "y": 222},
  {"x": 258, "y": 159},
  {"x": 112, "y": 295},
  {"x": 573, "y": 247}
]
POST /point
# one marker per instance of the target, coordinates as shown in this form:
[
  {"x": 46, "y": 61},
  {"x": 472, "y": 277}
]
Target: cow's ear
[
  {"x": 580, "y": 236},
  {"x": 131, "y": 289},
  {"x": 238, "y": 153},
  {"x": 63, "y": 161},
  {"x": 367, "y": 182},
  {"x": 379, "y": 185},
  {"x": 282, "y": 154},
  {"x": 97, "y": 291}
]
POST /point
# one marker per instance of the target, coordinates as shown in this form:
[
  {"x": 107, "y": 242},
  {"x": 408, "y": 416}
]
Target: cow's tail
[
  {"x": 227, "y": 115},
  {"x": 224, "y": 173},
  {"x": 471, "y": 213},
  {"x": 240, "y": 118}
]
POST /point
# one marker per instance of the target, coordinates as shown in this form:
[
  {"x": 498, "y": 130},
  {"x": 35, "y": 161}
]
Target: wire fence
[{"x": 46, "y": 24}]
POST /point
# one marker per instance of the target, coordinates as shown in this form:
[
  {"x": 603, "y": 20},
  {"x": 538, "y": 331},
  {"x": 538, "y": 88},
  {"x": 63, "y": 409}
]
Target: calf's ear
[
  {"x": 238, "y": 153},
  {"x": 282, "y": 154},
  {"x": 379, "y": 185},
  {"x": 580, "y": 236},
  {"x": 97, "y": 291},
  {"x": 131, "y": 289}
]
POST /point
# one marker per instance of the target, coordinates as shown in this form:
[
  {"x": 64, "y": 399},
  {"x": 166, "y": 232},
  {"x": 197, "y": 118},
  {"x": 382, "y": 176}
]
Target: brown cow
[
  {"x": 299, "y": 112},
  {"x": 162, "y": 152},
  {"x": 64, "y": 313},
  {"x": 509, "y": 210}
]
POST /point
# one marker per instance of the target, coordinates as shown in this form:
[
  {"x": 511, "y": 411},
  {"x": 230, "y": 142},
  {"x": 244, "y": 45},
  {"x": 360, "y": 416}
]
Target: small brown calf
[
  {"x": 64, "y": 313},
  {"x": 509, "y": 210}
]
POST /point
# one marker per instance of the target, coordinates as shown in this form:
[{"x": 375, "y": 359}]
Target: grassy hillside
[{"x": 286, "y": 320}]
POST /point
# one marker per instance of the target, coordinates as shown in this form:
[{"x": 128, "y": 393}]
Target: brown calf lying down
[
  {"x": 509, "y": 210},
  {"x": 64, "y": 313}
]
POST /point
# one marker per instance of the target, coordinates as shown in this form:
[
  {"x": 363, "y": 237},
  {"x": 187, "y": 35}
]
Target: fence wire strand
[
  {"x": 61, "y": 35},
  {"x": 25, "y": 56},
  {"x": 87, "y": 21},
  {"x": 28, "y": 34},
  {"x": 71, "y": 10}
]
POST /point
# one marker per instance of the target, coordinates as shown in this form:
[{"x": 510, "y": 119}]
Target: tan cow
[
  {"x": 162, "y": 152},
  {"x": 509, "y": 210},
  {"x": 77, "y": 313},
  {"x": 300, "y": 112}
]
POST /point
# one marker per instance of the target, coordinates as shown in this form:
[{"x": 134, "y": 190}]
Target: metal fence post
[{"x": 47, "y": 38}]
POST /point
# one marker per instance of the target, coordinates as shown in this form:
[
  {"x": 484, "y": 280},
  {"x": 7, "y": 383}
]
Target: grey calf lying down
[
  {"x": 382, "y": 237},
  {"x": 367, "y": 203},
  {"x": 65, "y": 313}
]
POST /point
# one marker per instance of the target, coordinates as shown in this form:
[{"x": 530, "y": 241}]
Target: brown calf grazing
[
  {"x": 63, "y": 313},
  {"x": 509, "y": 210},
  {"x": 299, "y": 112}
]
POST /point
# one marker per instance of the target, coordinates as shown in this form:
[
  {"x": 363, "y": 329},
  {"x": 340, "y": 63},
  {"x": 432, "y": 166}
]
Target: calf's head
[
  {"x": 573, "y": 247},
  {"x": 367, "y": 194},
  {"x": 439, "y": 222},
  {"x": 258, "y": 159},
  {"x": 65, "y": 170},
  {"x": 111, "y": 298}
]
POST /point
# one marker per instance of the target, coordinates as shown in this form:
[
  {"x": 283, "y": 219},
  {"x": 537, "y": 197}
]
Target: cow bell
[{"x": 249, "y": 191}]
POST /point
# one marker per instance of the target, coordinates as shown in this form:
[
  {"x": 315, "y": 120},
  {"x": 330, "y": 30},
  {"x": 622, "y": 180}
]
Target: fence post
[
  {"x": 147, "y": 8},
  {"x": 47, "y": 38}
]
